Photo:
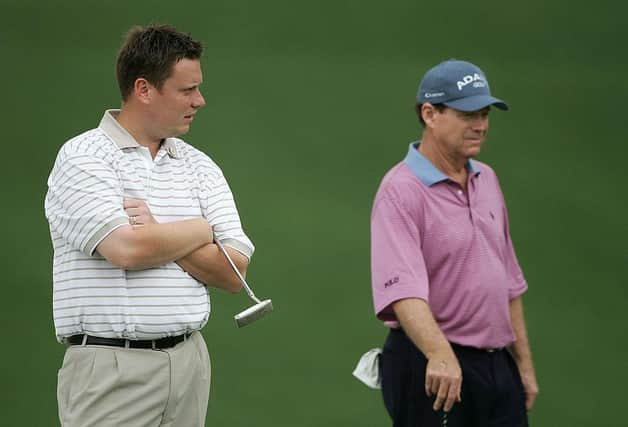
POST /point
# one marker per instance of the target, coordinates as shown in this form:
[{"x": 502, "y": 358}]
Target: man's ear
[
  {"x": 427, "y": 112},
  {"x": 142, "y": 90}
]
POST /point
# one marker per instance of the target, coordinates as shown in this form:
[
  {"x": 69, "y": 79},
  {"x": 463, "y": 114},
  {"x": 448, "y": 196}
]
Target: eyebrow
[{"x": 192, "y": 87}]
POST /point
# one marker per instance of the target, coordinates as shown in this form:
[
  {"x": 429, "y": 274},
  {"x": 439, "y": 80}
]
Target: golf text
[{"x": 478, "y": 79}]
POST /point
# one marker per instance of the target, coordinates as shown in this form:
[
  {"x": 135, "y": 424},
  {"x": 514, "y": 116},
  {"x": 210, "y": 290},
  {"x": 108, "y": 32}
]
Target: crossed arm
[{"x": 189, "y": 243}]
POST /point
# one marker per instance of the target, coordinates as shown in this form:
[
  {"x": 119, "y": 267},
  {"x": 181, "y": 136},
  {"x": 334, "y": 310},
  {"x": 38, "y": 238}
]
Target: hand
[
  {"x": 443, "y": 378},
  {"x": 139, "y": 214},
  {"x": 530, "y": 386}
]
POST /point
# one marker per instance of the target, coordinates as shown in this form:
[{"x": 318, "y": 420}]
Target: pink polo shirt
[{"x": 432, "y": 241}]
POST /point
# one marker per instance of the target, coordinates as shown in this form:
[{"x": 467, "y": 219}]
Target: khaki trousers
[{"x": 114, "y": 386}]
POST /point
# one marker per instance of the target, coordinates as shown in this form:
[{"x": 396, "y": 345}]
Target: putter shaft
[{"x": 246, "y": 287}]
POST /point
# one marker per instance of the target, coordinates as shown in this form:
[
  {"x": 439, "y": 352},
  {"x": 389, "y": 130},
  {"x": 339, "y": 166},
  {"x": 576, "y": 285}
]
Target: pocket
[
  {"x": 202, "y": 354},
  {"x": 77, "y": 365},
  {"x": 84, "y": 358},
  {"x": 65, "y": 379}
]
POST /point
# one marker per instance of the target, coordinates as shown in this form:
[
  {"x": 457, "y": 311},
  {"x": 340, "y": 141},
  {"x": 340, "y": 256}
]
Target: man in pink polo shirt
[{"x": 444, "y": 272}]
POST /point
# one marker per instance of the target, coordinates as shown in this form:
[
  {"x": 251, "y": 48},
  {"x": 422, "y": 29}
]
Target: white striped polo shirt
[{"x": 91, "y": 176}]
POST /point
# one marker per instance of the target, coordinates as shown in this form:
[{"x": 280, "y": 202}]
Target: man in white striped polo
[{"x": 133, "y": 214}]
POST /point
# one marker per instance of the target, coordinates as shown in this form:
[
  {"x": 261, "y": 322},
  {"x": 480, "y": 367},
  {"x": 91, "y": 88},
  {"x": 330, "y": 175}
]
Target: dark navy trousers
[{"x": 492, "y": 392}]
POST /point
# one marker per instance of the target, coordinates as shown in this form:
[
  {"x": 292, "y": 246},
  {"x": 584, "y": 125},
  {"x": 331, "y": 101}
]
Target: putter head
[{"x": 253, "y": 313}]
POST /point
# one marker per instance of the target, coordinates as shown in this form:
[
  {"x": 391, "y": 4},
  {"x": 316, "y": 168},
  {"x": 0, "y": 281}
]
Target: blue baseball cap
[{"x": 459, "y": 85}]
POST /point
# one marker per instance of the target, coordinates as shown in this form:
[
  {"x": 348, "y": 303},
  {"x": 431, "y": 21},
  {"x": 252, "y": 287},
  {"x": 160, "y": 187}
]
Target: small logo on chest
[{"x": 391, "y": 282}]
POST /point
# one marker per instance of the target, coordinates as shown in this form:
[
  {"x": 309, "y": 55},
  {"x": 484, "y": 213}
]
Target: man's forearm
[
  {"x": 521, "y": 347},
  {"x": 443, "y": 375},
  {"x": 418, "y": 323},
  {"x": 209, "y": 266},
  {"x": 154, "y": 244},
  {"x": 521, "y": 352}
]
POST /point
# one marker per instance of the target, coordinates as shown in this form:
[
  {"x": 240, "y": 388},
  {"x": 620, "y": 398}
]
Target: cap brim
[{"x": 475, "y": 103}]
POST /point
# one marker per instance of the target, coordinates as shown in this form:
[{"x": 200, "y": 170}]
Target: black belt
[
  {"x": 166, "y": 342},
  {"x": 459, "y": 346},
  {"x": 487, "y": 349}
]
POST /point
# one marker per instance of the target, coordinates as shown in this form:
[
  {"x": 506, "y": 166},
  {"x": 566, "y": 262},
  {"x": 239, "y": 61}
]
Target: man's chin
[
  {"x": 181, "y": 130},
  {"x": 473, "y": 147},
  {"x": 472, "y": 152}
]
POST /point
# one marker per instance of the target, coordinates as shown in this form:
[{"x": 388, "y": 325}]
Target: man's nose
[
  {"x": 480, "y": 123},
  {"x": 198, "y": 100}
]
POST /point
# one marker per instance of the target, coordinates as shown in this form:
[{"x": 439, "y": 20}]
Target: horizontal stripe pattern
[{"x": 92, "y": 175}]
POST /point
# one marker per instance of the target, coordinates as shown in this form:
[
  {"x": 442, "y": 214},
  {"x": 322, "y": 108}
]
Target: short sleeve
[
  {"x": 222, "y": 214},
  {"x": 84, "y": 202},
  {"x": 397, "y": 265},
  {"x": 518, "y": 284}
]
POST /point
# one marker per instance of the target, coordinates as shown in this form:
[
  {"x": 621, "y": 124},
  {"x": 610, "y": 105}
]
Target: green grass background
[{"x": 308, "y": 104}]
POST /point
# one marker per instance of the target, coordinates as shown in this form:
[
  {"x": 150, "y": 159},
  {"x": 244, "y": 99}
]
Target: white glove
[{"x": 367, "y": 369}]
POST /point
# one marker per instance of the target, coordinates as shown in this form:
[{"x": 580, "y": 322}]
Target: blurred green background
[{"x": 308, "y": 105}]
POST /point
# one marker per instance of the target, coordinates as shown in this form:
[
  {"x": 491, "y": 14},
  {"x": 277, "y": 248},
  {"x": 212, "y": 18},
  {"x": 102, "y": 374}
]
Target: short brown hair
[
  {"x": 150, "y": 52},
  {"x": 439, "y": 107}
]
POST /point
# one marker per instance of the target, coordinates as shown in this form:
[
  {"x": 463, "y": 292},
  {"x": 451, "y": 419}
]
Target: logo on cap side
[
  {"x": 434, "y": 94},
  {"x": 477, "y": 79}
]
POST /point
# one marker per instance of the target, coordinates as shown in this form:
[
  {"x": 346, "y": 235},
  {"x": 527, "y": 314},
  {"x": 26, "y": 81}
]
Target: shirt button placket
[
  {"x": 466, "y": 200},
  {"x": 148, "y": 161}
]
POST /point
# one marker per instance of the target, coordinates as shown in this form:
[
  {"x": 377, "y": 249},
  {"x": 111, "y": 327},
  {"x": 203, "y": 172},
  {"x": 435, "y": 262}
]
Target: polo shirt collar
[
  {"x": 123, "y": 139},
  {"x": 425, "y": 170}
]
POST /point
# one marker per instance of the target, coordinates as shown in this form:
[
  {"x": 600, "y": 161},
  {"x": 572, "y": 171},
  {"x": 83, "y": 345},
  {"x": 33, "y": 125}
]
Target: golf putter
[{"x": 254, "y": 312}]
